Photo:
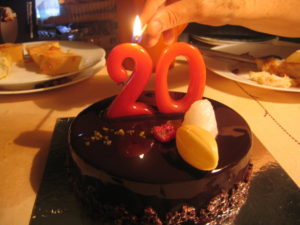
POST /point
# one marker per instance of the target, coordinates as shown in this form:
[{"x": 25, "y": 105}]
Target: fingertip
[
  {"x": 152, "y": 33},
  {"x": 149, "y": 41},
  {"x": 169, "y": 36},
  {"x": 154, "y": 27}
]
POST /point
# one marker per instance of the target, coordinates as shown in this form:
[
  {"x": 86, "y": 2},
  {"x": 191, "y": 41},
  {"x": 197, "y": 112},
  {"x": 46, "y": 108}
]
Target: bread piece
[
  {"x": 56, "y": 62},
  {"x": 15, "y": 51},
  {"x": 294, "y": 57},
  {"x": 266, "y": 78},
  {"x": 279, "y": 67},
  {"x": 5, "y": 65},
  {"x": 52, "y": 60},
  {"x": 35, "y": 51}
]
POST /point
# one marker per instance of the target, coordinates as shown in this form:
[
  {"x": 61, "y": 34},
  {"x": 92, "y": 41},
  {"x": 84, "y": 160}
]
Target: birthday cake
[{"x": 123, "y": 174}]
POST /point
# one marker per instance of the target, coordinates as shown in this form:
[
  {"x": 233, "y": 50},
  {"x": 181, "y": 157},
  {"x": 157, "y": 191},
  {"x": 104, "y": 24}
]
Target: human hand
[
  {"x": 163, "y": 15},
  {"x": 262, "y": 16}
]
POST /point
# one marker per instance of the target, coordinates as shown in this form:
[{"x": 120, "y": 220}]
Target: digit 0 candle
[{"x": 197, "y": 76}]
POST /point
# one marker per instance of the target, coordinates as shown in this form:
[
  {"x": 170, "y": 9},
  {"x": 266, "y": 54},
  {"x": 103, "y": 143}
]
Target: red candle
[
  {"x": 125, "y": 103},
  {"x": 197, "y": 77}
]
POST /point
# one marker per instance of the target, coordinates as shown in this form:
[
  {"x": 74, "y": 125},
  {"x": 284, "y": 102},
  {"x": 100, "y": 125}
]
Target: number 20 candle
[{"x": 125, "y": 104}]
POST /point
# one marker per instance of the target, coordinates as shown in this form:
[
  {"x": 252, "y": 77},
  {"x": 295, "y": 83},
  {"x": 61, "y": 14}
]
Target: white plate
[
  {"x": 62, "y": 82},
  {"x": 24, "y": 77},
  {"x": 225, "y": 67},
  {"x": 224, "y": 41}
]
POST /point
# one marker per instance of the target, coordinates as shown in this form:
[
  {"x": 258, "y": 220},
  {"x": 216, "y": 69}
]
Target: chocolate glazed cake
[{"x": 123, "y": 175}]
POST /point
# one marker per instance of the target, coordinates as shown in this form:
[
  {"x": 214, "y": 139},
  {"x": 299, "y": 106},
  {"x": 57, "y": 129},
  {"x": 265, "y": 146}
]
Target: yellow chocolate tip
[{"x": 197, "y": 147}]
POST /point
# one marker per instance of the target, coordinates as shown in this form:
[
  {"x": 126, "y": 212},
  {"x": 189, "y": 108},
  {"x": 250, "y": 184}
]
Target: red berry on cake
[{"x": 165, "y": 132}]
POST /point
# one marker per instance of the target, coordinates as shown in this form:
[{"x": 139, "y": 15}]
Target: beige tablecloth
[{"x": 27, "y": 122}]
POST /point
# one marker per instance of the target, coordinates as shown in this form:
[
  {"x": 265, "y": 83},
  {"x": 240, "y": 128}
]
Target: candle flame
[
  {"x": 137, "y": 26},
  {"x": 138, "y": 30}
]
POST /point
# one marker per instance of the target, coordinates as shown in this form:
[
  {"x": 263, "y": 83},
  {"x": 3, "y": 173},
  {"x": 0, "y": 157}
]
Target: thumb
[
  {"x": 166, "y": 18},
  {"x": 172, "y": 15}
]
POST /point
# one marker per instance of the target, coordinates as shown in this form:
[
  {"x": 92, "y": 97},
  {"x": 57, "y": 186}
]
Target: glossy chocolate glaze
[{"x": 126, "y": 150}]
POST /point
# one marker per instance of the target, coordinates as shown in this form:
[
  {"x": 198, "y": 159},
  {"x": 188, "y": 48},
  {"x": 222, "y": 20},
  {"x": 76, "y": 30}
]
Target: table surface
[{"x": 27, "y": 122}]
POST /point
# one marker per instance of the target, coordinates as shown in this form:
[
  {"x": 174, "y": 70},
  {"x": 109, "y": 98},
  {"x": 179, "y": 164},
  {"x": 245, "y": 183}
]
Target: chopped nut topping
[
  {"x": 130, "y": 132},
  {"x": 97, "y": 133},
  {"x": 120, "y": 132},
  {"x": 142, "y": 134},
  {"x": 105, "y": 129},
  {"x": 107, "y": 142}
]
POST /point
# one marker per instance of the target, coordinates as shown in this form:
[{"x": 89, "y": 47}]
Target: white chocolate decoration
[{"x": 202, "y": 114}]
